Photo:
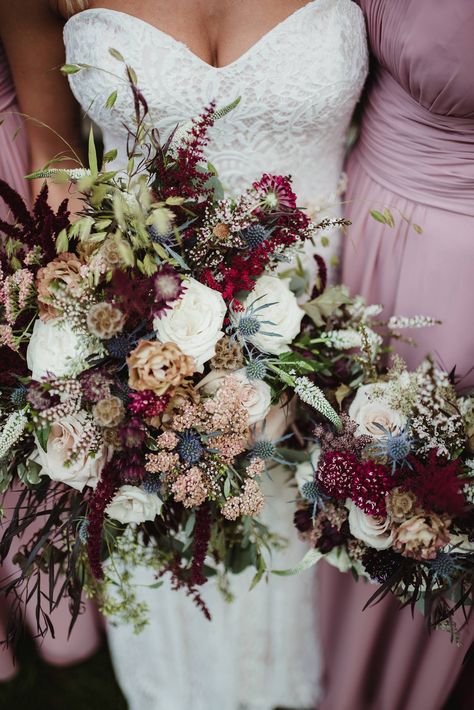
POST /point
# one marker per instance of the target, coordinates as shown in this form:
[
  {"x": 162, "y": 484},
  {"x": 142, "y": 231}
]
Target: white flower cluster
[
  {"x": 12, "y": 431},
  {"x": 398, "y": 322},
  {"x": 469, "y": 487},
  {"x": 309, "y": 393}
]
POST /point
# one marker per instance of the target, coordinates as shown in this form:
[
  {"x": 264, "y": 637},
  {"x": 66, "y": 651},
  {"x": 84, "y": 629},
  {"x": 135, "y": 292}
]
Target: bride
[{"x": 298, "y": 67}]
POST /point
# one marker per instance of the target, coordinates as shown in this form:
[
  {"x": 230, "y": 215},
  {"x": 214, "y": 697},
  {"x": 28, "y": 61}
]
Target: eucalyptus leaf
[{"x": 323, "y": 307}]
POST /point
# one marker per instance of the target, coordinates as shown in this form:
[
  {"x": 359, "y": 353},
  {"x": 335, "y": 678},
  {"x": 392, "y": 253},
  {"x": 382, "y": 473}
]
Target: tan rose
[
  {"x": 422, "y": 535},
  {"x": 158, "y": 366},
  {"x": 400, "y": 504},
  {"x": 61, "y": 273}
]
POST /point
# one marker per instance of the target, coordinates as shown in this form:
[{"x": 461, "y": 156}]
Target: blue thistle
[
  {"x": 166, "y": 239},
  {"x": 118, "y": 347},
  {"x": 255, "y": 235},
  {"x": 264, "y": 449},
  {"x": 256, "y": 370},
  {"x": 151, "y": 483},
  {"x": 248, "y": 326},
  {"x": 190, "y": 449},
  {"x": 444, "y": 567},
  {"x": 313, "y": 494},
  {"x": 395, "y": 447},
  {"x": 18, "y": 396}
]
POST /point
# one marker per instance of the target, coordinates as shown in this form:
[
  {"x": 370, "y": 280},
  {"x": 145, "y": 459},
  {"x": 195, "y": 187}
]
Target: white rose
[
  {"x": 255, "y": 395},
  {"x": 133, "y": 505},
  {"x": 284, "y": 315},
  {"x": 373, "y": 530},
  {"x": 57, "y": 349},
  {"x": 369, "y": 410},
  {"x": 194, "y": 323},
  {"x": 305, "y": 471},
  {"x": 63, "y": 436}
]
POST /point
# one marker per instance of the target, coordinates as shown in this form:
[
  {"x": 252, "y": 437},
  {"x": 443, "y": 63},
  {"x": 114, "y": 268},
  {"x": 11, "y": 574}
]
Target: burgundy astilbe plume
[
  {"x": 437, "y": 484},
  {"x": 37, "y": 228},
  {"x": 101, "y": 497},
  {"x": 202, "y": 535}
]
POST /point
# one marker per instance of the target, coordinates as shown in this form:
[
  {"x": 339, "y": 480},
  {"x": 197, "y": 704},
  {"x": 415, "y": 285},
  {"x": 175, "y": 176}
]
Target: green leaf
[
  {"x": 378, "y": 216},
  {"x": 116, "y": 54},
  {"x": 388, "y": 218},
  {"x": 111, "y": 99},
  {"x": 70, "y": 68},
  {"x": 341, "y": 393},
  {"x": 226, "y": 488},
  {"x": 133, "y": 75},
  {"x": 322, "y": 307},
  {"x": 417, "y": 228},
  {"x": 92, "y": 154},
  {"x": 310, "y": 559},
  {"x": 258, "y": 576},
  {"x": 62, "y": 242},
  {"x": 42, "y": 436}
]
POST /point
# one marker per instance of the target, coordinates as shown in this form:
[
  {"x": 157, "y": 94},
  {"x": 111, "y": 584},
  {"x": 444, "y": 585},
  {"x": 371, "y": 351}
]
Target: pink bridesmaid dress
[
  {"x": 415, "y": 156},
  {"x": 85, "y": 637}
]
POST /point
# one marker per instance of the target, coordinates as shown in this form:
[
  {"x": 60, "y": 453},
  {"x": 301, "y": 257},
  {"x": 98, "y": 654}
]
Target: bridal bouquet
[
  {"x": 144, "y": 345},
  {"x": 388, "y": 492}
]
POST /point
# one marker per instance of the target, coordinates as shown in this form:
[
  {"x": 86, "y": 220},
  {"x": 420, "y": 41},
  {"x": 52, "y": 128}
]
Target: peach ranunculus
[
  {"x": 422, "y": 536},
  {"x": 158, "y": 366},
  {"x": 62, "y": 273}
]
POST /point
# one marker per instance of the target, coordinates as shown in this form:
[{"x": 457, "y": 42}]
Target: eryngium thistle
[
  {"x": 256, "y": 370},
  {"x": 189, "y": 448},
  {"x": 255, "y": 235}
]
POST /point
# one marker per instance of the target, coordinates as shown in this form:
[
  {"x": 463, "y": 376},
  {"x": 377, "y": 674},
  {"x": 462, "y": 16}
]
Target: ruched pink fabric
[
  {"x": 415, "y": 156},
  {"x": 85, "y": 637}
]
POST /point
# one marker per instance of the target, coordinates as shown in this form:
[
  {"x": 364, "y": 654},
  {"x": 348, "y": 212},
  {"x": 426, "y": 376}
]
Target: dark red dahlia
[
  {"x": 370, "y": 485},
  {"x": 437, "y": 484},
  {"x": 336, "y": 471}
]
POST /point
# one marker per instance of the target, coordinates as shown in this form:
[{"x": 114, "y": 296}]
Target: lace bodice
[{"x": 298, "y": 86}]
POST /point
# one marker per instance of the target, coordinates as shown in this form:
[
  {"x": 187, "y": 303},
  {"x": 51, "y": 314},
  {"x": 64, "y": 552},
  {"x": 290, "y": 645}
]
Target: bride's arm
[{"x": 32, "y": 37}]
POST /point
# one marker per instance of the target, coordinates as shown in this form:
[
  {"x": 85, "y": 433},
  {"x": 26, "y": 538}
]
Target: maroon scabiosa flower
[
  {"x": 147, "y": 403},
  {"x": 437, "y": 485},
  {"x": 380, "y": 564},
  {"x": 132, "y": 434},
  {"x": 370, "y": 485},
  {"x": 95, "y": 385},
  {"x": 275, "y": 192},
  {"x": 167, "y": 288},
  {"x": 336, "y": 471},
  {"x": 132, "y": 467}
]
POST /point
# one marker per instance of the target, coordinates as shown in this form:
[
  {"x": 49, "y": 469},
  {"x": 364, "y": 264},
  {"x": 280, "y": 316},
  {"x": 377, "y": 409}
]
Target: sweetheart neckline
[{"x": 248, "y": 52}]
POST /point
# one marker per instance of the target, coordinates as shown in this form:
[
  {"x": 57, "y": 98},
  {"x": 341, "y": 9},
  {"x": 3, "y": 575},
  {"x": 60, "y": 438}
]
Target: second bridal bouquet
[{"x": 146, "y": 351}]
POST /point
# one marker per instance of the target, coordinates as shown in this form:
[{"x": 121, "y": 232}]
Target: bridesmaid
[
  {"x": 31, "y": 38},
  {"x": 415, "y": 156}
]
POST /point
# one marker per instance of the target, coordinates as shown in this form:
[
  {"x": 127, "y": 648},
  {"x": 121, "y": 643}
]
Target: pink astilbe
[{"x": 162, "y": 462}]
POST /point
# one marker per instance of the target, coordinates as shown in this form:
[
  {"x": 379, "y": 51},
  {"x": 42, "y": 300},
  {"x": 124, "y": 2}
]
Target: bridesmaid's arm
[{"x": 32, "y": 37}]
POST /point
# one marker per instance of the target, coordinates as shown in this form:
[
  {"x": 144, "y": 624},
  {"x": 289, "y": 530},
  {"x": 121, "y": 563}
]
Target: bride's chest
[{"x": 306, "y": 73}]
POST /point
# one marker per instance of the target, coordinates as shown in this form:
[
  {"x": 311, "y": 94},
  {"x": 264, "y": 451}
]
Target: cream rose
[
  {"x": 133, "y": 505},
  {"x": 194, "y": 322},
  {"x": 255, "y": 395},
  {"x": 57, "y": 349},
  {"x": 305, "y": 471},
  {"x": 284, "y": 314},
  {"x": 371, "y": 411},
  {"x": 373, "y": 530},
  {"x": 63, "y": 436}
]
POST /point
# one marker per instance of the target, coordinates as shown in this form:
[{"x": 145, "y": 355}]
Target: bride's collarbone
[{"x": 216, "y": 31}]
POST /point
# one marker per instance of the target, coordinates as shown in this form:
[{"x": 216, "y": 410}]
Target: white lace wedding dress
[{"x": 298, "y": 87}]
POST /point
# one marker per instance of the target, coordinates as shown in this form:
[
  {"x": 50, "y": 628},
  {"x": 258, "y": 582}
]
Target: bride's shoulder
[{"x": 68, "y": 8}]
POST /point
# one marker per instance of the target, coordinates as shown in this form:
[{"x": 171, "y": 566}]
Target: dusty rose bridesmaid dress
[
  {"x": 415, "y": 155},
  {"x": 85, "y": 637}
]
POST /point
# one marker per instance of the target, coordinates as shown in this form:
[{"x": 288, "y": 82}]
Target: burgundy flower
[
  {"x": 437, "y": 484},
  {"x": 168, "y": 287},
  {"x": 132, "y": 434},
  {"x": 336, "y": 471},
  {"x": 132, "y": 468},
  {"x": 370, "y": 485},
  {"x": 276, "y": 192},
  {"x": 147, "y": 403}
]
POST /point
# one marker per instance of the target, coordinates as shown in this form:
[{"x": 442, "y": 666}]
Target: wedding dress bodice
[{"x": 298, "y": 86}]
